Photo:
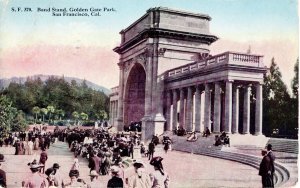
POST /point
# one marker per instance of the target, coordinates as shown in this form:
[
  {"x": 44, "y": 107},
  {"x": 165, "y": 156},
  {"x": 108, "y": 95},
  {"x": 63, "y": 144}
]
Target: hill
[{"x": 4, "y": 82}]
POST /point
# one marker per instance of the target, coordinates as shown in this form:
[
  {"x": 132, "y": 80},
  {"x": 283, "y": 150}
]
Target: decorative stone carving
[
  {"x": 127, "y": 65},
  {"x": 148, "y": 51},
  {"x": 161, "y": 51},
  {"x": 142, "y": 59}
]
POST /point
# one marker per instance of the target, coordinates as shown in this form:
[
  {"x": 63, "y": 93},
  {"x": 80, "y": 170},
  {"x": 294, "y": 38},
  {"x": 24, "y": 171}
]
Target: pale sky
[{"x": 38, "y": 43}]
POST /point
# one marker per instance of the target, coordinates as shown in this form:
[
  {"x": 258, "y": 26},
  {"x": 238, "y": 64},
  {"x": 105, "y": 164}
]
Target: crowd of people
[{"x": 104, "y": 151}]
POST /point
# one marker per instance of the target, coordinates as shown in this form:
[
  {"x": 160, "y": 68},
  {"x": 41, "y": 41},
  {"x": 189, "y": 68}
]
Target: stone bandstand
[{"x": 169, "y": 79}]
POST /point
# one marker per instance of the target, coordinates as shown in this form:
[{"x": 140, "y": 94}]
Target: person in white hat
[
  {"x": 141, "y": 179},
  {"x": 115, "y": 181},
  {"x": 94, "y": 176},
  {"x": 35, "y": 179}
]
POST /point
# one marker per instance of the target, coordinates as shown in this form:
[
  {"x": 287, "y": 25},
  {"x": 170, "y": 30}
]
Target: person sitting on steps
[
  {"x": 206, "y": 133},
  {"x": 192, "y": 138}
]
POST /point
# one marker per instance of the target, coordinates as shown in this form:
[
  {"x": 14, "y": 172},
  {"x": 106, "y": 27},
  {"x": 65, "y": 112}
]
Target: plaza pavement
[{"x": 185, "y": 169}]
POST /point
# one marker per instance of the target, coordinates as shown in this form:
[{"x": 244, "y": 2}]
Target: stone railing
[
  {"x": 224, "y": 58},
  {"x": 114, "y": 90}
]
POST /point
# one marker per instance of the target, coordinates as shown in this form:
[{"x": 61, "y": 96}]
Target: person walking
[
  {"x": 265, "y": 169},
  {"x": 75, "y": 181},
  {"x": 75, "y": 165},
  {"x": 43, "y": 159},
  {"x": 2, "y": 172},
  {"x": 94, "y": 162},
  {"x": 272, "y": 157},
  {"x": 30, "y": 147},
  {"x": 159, "y": 178},
  {"x": 94, "y": 176},
  {"x": 35, "y": 179},
  {"x": 115, "y": 181},
  {"x": 140, "y": 179},
  {"x": 151, "y": 149}
]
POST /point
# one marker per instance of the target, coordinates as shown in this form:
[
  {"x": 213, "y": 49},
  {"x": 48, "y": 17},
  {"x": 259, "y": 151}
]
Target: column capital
[
  {"x": 148, "y": 51},
  {"x": 259, "y": 83},
  {"x": 229, "y": 80},
  {"x": 121, "y": 65}
]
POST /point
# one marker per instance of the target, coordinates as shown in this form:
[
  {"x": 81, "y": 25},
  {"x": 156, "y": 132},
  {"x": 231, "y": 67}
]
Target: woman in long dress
[{"x": 159, "y": 177}]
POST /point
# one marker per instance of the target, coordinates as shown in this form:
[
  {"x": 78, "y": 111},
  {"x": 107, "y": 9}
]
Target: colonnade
[
  {"x": 221, "y": 107},
  {"x": 113, "y": 111}
]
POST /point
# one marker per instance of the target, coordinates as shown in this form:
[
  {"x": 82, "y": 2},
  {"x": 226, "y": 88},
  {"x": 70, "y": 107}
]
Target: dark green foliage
[
  {"x": 19, "y": 123},
  {"x": 295, "y": 81},
  {"x": 58, "y": 99},
  {"x": 10, "y": 118},
  {"x": 277, "y": 104}
]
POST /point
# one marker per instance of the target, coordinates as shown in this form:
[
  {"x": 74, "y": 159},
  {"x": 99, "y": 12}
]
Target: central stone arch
[{"x": 134, "y": 102}]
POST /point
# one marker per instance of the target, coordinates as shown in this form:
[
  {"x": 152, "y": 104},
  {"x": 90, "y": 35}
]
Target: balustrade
[{"x": 225, "y": 58}]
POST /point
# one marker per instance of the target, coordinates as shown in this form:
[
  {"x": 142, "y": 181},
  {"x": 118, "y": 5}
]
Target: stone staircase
[
  {"x": 284, "y": 145},
  {"x": 204, "y": 146}
]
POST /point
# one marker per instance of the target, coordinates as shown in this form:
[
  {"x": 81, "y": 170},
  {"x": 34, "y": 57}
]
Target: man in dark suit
[
  {"x": 115, "y": 181},
  {"x": 265, "y": 169},
  {"x": 94, "y": 162},
  {"x": 272, "y": 157},
  {"x": 151, "y": 148}
]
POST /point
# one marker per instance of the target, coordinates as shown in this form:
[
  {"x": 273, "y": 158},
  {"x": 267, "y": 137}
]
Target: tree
[
  {"x": 293, "y": 106},
  {"x": 7, "y": 115},
  {"x": 36, "y": 110},
  {"x": 275, "y": 101},
  {"x": 51, "y": 110},
  {"x": 60, "y": 113},
  {"x": 44, "y": 112},
  {"x": 102, "y": 115},
  {"x": 295, "y": 81},
  {"x": 58, "y": 93},
  {"x": 19, "y": 122},
  {"x": 84, "y": 116},
  {"x": 75, "y": 115}
]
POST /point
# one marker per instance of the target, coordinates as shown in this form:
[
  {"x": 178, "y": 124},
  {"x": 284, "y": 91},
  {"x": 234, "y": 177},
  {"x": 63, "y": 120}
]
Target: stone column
[
  {"x": 181, "y": 112},
  {"x": 147, "y": 123},
  {"x": 197, "y": 109},
  {"x": 121, "y": 99},
  {"x": 207, "y": 107},
  {"x": 160, "y": 96},
  {"x": 110, "y": 111},
  {"x": 189, "y": 110},
  {"x": 246, "y": 115},
  {"x": 235, "y": 110},
  {"x": 228, "y": 106},
  {"x": 174, "y": 121},
  {"x": 168, "y": 111},
  {"x": 258, "y": 110},
  {"x": 113, "y": 112},
  {"x": 148, "y": 84},
  {"x": 155, "y": 80},
  {"x": 217, "y": 107},
  {"x": 116, "y": 108}
]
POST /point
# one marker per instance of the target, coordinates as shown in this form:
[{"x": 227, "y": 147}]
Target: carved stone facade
[{"x": 168, "y": 79}]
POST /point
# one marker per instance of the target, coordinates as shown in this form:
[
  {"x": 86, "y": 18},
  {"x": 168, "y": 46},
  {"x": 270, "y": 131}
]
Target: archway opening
[{"x": 135, "y": 95}]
